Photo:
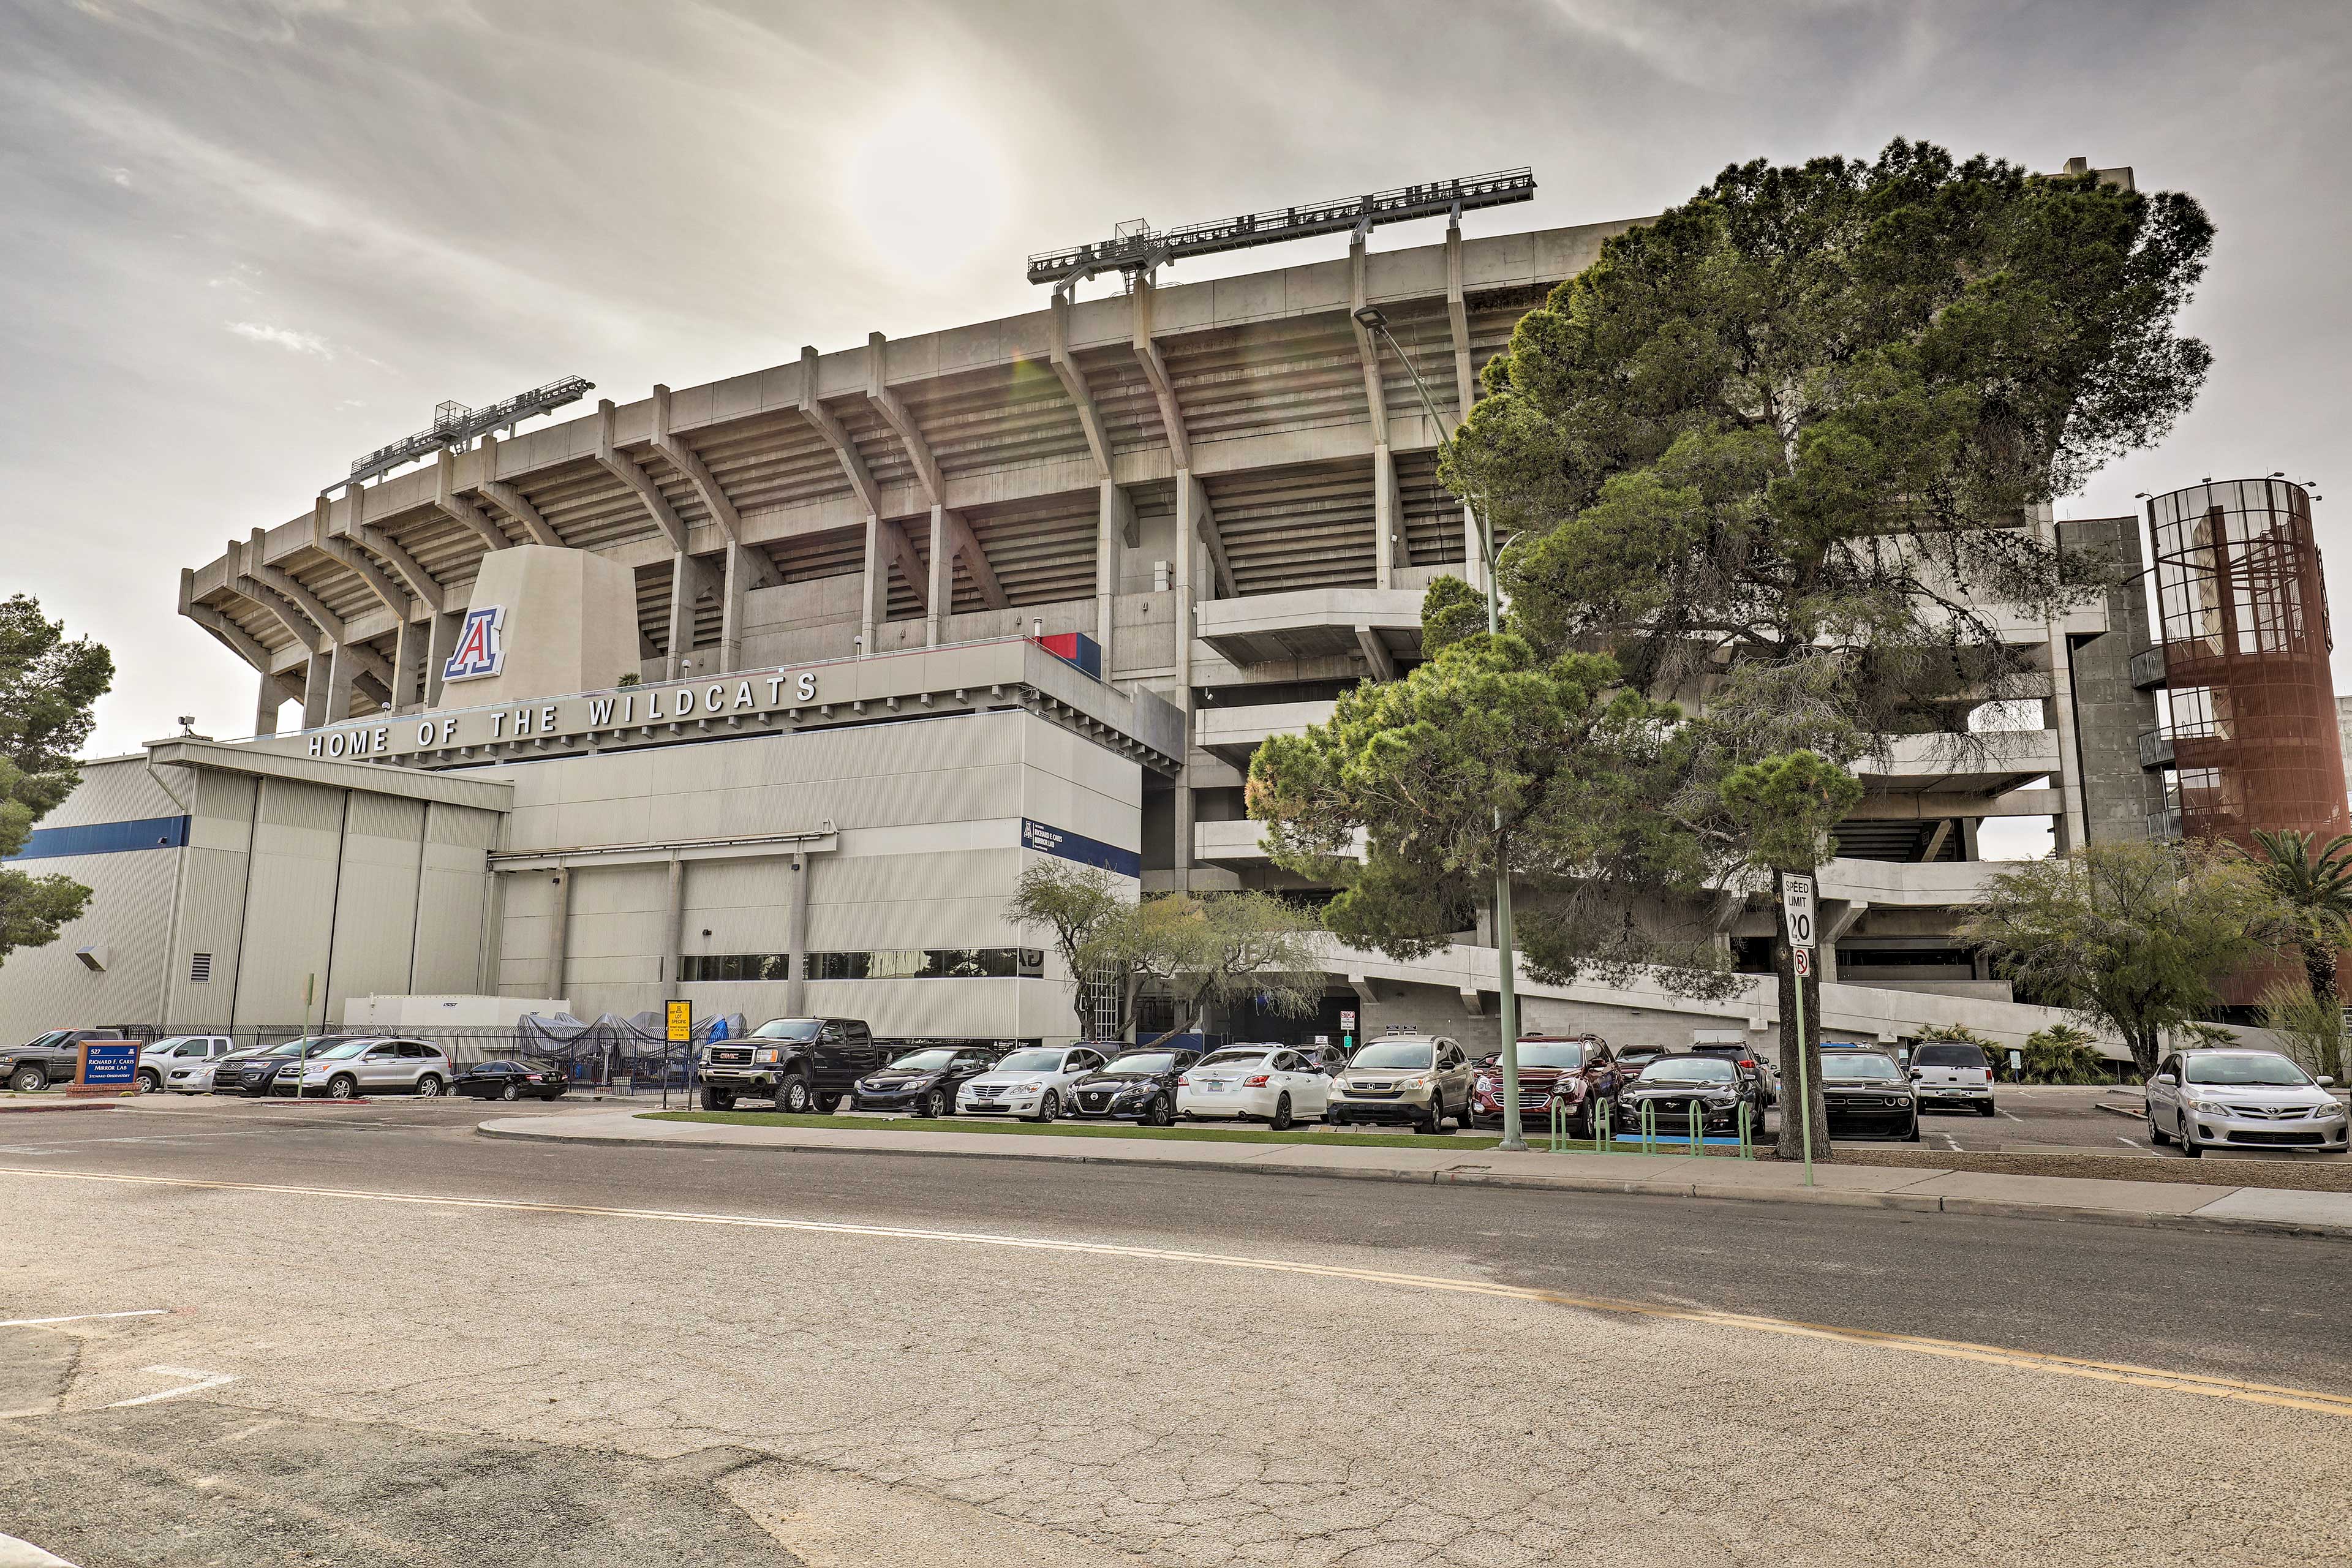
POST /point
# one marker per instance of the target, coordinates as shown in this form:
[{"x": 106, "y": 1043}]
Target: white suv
[
  {"x": 370, "y": 1064},
  {"x": 182, "y": 1063}
]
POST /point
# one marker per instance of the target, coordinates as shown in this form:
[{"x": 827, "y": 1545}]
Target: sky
[{"x": 247, "y": 240}]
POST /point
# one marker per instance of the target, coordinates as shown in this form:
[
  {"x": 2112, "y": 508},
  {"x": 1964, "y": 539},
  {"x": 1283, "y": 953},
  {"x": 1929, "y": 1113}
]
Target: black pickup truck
[
  {"x": 44, "y": 1059},
  {"x": 801, "y": 1063}
]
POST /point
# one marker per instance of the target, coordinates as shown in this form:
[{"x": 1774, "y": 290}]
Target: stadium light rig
[
  {"x": 1138, "y": 247},
  {"x": 455, "y": 424}
]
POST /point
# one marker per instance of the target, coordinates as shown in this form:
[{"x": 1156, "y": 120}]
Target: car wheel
[
  {"x": 1987, "y": 1109},
  {"x": 1159, "y": 1113},
  {"x": 934, "y": 1104},
  {"x": 428, "y": 1086},
  {"x": 344, "y": 1088},
  {"x": 2189, "y": 1144},
  {"x": 150, "y": 1083},
  {"x": 793, "y": 1097},
  {"x": 27, "y": 1079},
  {"x": 1280, "y": 1121},
  {"x": 2157, "y": 1135},
  {"x": 1913, "y": 1136},
  {"x": 1049, "y": 1107},
  {"x": 511, "y": 1092},
  {"x": 1435, "y": 1122}
]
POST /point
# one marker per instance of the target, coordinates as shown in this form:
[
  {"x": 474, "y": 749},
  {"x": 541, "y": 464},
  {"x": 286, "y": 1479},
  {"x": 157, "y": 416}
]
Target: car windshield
[
  {"x": 1394, "y": 1054},
  {"x": 1031, "y": 1061},
  {"x": 313, "y": 1045},
  {"x": 1551, "y": 1053},
  {"x": 1234, "y": 1059},
  {"x": 171, "y": 1041},
  {"x": 342, "y": 1048},
  {"x": 496, "y": 1068},
  {"x": 925, "y": 1061},
  {"x": 2261, "y": 1071},
  {"x": 790, "y": 1028},
  {"x": 1689, "y": 1070},
  {"x": 1141, "y": 1061},
  {"x": 51, "y": 1038},
  {"x": 1859, "y": 1064},
  {"x": 1943, "y": 1056}
]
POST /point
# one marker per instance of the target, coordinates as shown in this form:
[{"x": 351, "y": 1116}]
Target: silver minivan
[{"x": 372, "y": 1064}]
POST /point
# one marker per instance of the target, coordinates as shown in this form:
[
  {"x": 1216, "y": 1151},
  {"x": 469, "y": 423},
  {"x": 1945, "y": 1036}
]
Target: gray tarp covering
[{"x": 613, "y": 1046}]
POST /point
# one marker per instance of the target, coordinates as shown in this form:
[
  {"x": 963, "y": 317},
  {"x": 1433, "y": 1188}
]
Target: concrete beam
[
  {"x": 901, "y": 553},
  {"x": 623, "y": 467},
  {"x": 1388, "y": 519},
  {"x": 461, "y": 510},
  {"x": 895, "y": 415},
  {"x": 966, "y": 545},
  {"x": 689, "y": 580},
  {"x": 230, "y": 636},
  {"x": 338, "y": 549},
  {"x": 1163, "y": 384},
  {"x": 1074, "y": 381},
  {"x": 942, "y": 583},
  {"x": 511, "y": 500},
  {"x": 844, "y": 450},
  {"x": 1368, "y": 348},
  {"x": 1457, "y": 314},
  {"x": 283, "y": 583},
  {"x": 1935, "y": 836},
  {"x": 1204, "y": 524},
  {"x": 721, "y": 507},
  {"x": 1376, "y": 654}
]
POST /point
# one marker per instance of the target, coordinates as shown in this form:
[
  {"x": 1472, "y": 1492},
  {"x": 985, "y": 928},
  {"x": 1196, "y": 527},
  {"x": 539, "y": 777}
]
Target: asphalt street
[{"x": 620, "y": 1355}]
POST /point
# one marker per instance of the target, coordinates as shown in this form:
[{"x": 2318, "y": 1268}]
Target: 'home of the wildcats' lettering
[{"x": 569, "y": 716}]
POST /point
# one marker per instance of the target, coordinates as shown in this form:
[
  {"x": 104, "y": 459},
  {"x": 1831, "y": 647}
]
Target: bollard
[
  {"x": 1649, "y": 1127},
  {"x": 1746, "y": 1131}
]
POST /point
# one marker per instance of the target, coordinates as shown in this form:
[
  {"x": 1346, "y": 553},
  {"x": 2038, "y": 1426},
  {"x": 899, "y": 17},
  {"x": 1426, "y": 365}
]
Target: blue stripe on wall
[
  {"x": 1077, "y": 847},
  {"x": 104, "y": 839}
]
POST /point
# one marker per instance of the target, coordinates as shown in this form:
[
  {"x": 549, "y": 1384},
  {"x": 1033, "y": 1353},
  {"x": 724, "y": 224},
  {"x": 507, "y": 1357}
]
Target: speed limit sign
[{"x": 1796, "y": 906}]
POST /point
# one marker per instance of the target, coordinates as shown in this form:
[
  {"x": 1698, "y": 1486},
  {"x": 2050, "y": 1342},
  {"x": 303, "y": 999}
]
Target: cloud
[
  {"x": 120, "y": 175},
  {"x": 286, "y": 338}
]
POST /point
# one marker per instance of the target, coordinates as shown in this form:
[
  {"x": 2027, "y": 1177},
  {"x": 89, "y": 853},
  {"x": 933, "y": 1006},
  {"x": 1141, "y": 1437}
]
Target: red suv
[{"x": 1576, "y": 1068}]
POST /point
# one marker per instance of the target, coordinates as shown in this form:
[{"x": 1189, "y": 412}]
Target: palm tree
[{"x": 2316, "y": 888}]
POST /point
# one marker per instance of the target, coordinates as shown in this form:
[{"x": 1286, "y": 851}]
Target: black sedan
[
  {"x": 1133, "y": 1085},
  {"x": 1683, "y": 1086},
  {"x": 510, "y": 1081},
  {"x": 1867, "y": 1094},
  {"x": 922, "y": 1082}
]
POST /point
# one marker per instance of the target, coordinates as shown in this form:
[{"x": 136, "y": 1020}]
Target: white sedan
[
  {"x": 1033, "y": 1084},
  {"x": 1272, "y": 1084}
]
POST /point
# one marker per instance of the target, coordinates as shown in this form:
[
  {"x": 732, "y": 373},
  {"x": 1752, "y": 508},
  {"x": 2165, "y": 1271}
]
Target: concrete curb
[
  {"x": 14, "y": 1108},
  {"x": 1480, "y": 1176}
]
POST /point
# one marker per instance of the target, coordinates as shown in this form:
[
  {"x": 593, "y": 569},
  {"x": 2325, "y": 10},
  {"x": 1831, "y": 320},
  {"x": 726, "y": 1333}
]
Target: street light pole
[{"x": 1505, "y": 948}]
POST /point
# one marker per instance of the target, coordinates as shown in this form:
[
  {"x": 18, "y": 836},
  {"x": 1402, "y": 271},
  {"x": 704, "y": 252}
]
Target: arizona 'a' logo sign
[{"x": 481, "y": 646}]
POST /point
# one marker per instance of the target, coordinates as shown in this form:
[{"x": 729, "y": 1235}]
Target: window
[
  {"x": 873, "y": 964},
  {"x": 200, "y": 968}
]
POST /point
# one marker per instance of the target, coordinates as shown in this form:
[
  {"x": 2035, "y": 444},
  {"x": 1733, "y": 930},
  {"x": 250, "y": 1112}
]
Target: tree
[
  {"x": 2131, "y": 935},
  {"x": 1215, "y": 949},
  {"x": 1076, "y": 903},
  {"x": 2313, "y": 883},
  {"x": 2064, "y": 1053},
  {"x": 1415, "y": 791},
  {"x": 2310, "y": 1026},
  {"x": 47, "y": 686}
]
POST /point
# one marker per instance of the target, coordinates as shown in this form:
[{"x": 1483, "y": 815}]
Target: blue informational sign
[
  {"x": 111, "y": 1065},
  {"x": 1050, "y": 840}
]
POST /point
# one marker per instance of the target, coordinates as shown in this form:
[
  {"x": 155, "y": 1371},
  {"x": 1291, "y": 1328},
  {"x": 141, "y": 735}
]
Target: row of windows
[{"x": 881, "y": 963}]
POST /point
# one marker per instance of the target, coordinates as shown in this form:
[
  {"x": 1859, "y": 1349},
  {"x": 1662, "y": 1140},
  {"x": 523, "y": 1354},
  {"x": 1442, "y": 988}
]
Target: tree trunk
[
  {"x": 1795, "y": 1105},
  {"x": 2143, "y": 1044},
  {"x": 2319, "y": 969}
]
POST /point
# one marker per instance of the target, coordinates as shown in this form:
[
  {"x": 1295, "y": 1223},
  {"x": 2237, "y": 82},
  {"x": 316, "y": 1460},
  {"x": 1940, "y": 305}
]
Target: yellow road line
[{"x": 1916, "y": 1344}]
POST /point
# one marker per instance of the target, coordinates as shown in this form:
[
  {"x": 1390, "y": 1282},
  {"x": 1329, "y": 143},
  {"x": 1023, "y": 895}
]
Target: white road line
[
  {"x": 2131, "y": 1142},
  {"x": 15, "y": 1553},
  {"x": 204, "y": 1380},
  {"x": 2012, "y": 1116},
  {"x": 80, "y": 1318},
  {"x": 1954, "y": 1349}
]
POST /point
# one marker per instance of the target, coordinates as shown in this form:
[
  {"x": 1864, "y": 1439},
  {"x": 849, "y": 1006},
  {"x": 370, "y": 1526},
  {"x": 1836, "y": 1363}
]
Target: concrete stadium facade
[{"x": 1227, "y": 486}]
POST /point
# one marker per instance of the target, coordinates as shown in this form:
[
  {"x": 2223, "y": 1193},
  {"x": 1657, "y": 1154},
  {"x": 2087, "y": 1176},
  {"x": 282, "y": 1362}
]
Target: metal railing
[
  {"x": 2155, "y": 749},
  {"x": 454, "y": 422},
  {"x": 1604, "y": 1136},
  {"x": 2147, "y": 669}
]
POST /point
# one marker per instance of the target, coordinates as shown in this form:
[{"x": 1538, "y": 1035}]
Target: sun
[{"x": 929, "y": 188}]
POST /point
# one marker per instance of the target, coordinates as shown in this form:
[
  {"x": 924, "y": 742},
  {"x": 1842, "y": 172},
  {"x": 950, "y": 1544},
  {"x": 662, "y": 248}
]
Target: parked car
[
  {"x": 367, "y": 1065},
  {"x": 44, "y": 1059},
  {"x": 924, "y": 1082},
  {"x": 1952, "y": 1072},
  {"x": 800, "y": 1063},
  {"x": 1134, "y": 1085},
  {"x": 169, "y": 1061},
  {"x": 1033, "y": 1083},
  {"x": 1633, "y": 1058},
  {"x": 509, "y": 1080},
  {"x": 1579, "y": 1071},
  {"x": 1680, "y": 1087},
  {"x": 1749, "y": 1061},
  {"x": 1415, "y": 1080},
  {"x": 1866, "y": 1091},
  {"x": 193, "y": 1074},
  {"x": 1332, "y": 1059},
  {"x": 256, "y": 1071},
  {"x": 1273, "y": 1084},
  {"x": 2242, "y": 1099}
]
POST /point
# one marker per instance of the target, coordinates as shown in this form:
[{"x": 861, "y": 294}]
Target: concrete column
[
  {"x": 559, "y": 935},
  {"x": 265, "y": 705},
  {"x": 937, "y": 601},
  {"x": 316, "y": 677},
  {"x": 683, "y": 579},
  {"x": 342, "y": 671},
  {"x": 874, "y": 603},
  {"x": 1190, "y": 501},
  {"x": 442, "y": 641},
  {"x": 734, "y": 587},
  {"x": 2072, "y": 831},
  {"x": 1116, "y": 516},
  {"x": 408, "y": 652},
  {"x": 1388, "y": 516},
  {"x": 671, "y": 925},
  {"x": 796, "y": 937},
  {"x": 1473, "y": 563}
]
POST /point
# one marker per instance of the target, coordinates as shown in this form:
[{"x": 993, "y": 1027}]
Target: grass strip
[{"x": 1301, "y": 1137}]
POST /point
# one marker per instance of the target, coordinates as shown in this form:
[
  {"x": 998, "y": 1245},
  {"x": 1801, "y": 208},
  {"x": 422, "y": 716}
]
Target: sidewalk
[{"x": 1928, "y": 1191}]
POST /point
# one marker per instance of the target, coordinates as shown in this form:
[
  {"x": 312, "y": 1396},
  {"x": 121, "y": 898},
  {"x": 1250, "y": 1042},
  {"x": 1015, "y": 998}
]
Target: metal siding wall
[
  {"x": 211, "y": 902},
  {"x": 131, "y": 899},
  {"x": 375, "y": 907},
  {"x": 455, "y": 921},
  {"x": 290, "y": 904}
]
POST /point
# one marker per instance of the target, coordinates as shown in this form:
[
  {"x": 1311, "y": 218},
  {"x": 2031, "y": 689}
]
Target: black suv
[
  {"x": 1134, "y": 1085},
  {"x": 800, "y": 1063},
  {"x": 923, "y": 1080}
]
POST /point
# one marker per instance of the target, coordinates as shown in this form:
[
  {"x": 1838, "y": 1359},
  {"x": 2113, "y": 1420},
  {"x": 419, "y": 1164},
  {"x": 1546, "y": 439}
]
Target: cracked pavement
[{"x": 426, "y": 1384}]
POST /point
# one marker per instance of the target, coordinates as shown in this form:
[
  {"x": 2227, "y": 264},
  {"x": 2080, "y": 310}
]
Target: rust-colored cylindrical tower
[{"x": 2244, "y": 608}]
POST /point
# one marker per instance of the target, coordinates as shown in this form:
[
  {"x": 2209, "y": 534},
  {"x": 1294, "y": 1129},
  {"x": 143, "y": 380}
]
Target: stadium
[{"x": 761, "y": 693}]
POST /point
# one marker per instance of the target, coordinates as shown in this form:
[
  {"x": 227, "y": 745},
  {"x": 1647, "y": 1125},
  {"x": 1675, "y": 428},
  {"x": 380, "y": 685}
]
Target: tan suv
[{"x": 1415, "y": 1080}]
